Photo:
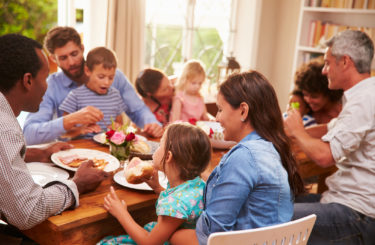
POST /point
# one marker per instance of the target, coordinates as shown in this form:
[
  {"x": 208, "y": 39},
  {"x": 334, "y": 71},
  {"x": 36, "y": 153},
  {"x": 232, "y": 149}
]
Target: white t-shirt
[{"x": 352, "y": 141}]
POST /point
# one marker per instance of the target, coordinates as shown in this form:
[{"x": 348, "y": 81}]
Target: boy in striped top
[{"x": 100, "y": 68}]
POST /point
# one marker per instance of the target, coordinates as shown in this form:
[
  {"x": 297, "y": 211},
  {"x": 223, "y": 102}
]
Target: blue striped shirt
[{"x": 111, "y": 104}]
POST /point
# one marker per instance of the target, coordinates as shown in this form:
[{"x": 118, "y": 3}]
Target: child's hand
[
  {"x": 113, "y": 204},
  {"x": 153, "y": 182}
]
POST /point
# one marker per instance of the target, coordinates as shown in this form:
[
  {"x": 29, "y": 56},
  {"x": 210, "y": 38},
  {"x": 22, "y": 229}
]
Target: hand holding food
[
  {"x": 87, "y": 177},
  {"x": 137, "y": 171}
]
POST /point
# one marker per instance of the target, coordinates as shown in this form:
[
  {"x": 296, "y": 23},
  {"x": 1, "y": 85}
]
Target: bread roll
[
  {"x": 137, "y": 170},
  {"x": 140, "y": 147}
]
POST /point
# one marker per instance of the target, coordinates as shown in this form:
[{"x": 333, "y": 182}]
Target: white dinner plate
[
  {"x": 112, "y": 165},
  {"x": 44, "y": 173},
  {"x": 100, "y": 138},
  {"x": 120, "y": 179},
  {"x": 217, "y": 144}
]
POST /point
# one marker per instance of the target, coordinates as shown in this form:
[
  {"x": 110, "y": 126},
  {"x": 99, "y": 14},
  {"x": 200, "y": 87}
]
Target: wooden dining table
[{"x": 90, "y": 222}]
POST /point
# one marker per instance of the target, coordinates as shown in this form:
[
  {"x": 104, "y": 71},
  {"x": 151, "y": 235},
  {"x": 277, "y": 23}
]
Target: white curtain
[{"x": 125, "y": 34}]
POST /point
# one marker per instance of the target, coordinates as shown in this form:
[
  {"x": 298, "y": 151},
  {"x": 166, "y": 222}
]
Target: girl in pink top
[{"x": 188, "y": 102}]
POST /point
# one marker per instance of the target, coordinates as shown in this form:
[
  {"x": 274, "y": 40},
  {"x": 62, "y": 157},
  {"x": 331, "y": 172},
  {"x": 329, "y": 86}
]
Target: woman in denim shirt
[{"x": 255, "y": 182}]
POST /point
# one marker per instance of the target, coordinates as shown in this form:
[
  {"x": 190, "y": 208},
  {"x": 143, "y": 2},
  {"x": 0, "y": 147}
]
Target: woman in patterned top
[
  {"x": 183, "y": 154},
  {"x": 157, "y": 92}
]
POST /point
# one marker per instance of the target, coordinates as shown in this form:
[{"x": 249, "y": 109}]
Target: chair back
[{"x": 292, "y": 232}]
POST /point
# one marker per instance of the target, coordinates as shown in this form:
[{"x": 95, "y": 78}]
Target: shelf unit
[{"x": 340, "y": 16}]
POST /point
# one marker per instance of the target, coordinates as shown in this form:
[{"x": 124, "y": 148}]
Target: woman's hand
[
  {"x": 153, "y": 129},
  {"x": 113, "y": 204}
]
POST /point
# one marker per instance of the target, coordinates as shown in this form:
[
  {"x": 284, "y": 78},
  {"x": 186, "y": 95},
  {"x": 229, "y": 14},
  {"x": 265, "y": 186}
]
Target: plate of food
[
  {"x": 71, "y": 159},
  {"x": 100, "y": 138},
  {"x": 215, "y": 131},
  {"x": 143, "y": 149},
  {"x": 135, "y": 172},
  {"x": 120, "y": 179},
  {"x": 43, "y": 173}
]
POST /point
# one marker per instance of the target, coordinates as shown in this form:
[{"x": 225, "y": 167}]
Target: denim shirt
[
  {"x": 47, "y": 124},
  {"x": 248, "y": 189}
]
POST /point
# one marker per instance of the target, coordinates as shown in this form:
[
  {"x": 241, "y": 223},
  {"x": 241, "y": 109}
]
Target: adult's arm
[
  {"x": 25, "y": 204},
  {"x": 41, "y": 127},
  {"x": 228, "y": 196},
  {"x": 317, "y": 131},
  {"x": 316, "y": 149},
  {"x": 44, "y": 154},
  {"x": 136, "y": 109}
]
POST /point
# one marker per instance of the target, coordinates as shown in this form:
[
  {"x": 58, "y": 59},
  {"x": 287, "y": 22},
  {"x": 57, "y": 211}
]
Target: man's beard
[{"x": 78, "y": 74}]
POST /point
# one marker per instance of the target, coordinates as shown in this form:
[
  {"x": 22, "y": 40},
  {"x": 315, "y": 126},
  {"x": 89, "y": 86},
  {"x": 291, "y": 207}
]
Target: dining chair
[{"x": 292, "y": 232}]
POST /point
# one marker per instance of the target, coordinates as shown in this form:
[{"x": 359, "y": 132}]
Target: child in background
[
  {"x": 296, "y": 102},
  {"x": 100, "y": 67},
  {"x": 183, "y": 154},
  {"x": 188, "y": 102}
]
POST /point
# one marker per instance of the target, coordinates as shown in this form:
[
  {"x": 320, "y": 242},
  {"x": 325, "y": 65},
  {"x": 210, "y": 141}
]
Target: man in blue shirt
[{"x": 66, "y": 50}]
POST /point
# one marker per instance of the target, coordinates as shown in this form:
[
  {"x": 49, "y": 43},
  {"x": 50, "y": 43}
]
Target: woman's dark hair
[
  {"x": 148, "y": 81},
  {"x": 17, "y": 57},
  {"x": 264, "y": 116},
  {"x": 309, "y": 78},
  {"x": 59, "y": 36},
  {"x": 190, "y": 147}
]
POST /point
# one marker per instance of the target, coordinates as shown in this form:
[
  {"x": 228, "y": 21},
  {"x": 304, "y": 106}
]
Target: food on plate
[
  {"x": 140, "y": 146},
  {"x": 100, "y": 163},
  {"x": 137, "y": 170},
  {"x": 72, "y": 160},
  {"x": 75, "y": 161},
  {"x": 213, "y": 129}
]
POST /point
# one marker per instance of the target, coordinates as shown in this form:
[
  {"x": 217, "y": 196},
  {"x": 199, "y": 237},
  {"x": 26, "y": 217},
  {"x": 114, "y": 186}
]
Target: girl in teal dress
[{"x": 183, "y": 154}]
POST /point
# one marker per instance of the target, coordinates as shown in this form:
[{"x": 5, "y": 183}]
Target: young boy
[
  {"x": 296, "y": 102},
  {"x": 100, "y": 68}
]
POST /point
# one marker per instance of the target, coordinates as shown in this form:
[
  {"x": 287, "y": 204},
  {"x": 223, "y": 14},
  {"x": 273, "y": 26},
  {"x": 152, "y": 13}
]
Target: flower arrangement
[{"x": 120, "y": 141}]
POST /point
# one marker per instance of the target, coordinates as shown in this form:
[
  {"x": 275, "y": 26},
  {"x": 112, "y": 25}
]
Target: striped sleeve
[{"x": 70, "y": 103}]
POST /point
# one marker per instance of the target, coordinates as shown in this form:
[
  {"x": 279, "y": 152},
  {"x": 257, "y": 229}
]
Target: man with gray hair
[{"x": 346, "y": 211}]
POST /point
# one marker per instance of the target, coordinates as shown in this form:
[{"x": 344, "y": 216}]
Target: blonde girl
[
  {"x": 188, "y": 102},
  {"x": 183, "y": 154}
]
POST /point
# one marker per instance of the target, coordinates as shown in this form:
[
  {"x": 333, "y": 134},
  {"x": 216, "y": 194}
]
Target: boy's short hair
[
  {"x": 101, "y": 55},
  {"x": 59, "y": 36}
]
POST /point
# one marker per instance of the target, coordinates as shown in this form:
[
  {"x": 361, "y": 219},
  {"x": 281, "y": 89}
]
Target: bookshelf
[{"x": 317, "y": 24}]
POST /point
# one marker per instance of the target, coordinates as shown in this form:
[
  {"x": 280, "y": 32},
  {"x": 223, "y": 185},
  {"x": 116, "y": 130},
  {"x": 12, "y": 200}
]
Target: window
[{"x": 179, "y": 30}]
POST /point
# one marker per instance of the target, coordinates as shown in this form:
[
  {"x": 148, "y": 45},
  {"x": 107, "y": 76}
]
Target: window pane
[
  {"x": 164, "y": 31},
  {"x": 177, "y": 30},
  {"x": 211, "y": 21}
]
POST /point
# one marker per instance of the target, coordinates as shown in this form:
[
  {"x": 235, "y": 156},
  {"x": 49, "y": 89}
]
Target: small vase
[{"x": 120, "y": 152}]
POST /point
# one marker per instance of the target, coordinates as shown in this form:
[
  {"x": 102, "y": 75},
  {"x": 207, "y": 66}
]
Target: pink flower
[
  {"x": 130, "y": 137},
  {"x": 118, "y": 138}
]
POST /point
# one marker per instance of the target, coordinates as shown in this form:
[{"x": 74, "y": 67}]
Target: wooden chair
[{"x": 293, "y": 232}]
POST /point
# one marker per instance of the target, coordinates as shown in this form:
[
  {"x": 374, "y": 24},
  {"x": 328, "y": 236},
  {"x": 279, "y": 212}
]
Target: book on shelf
[
  {"x": 371, "y": 4},
  {"x": 348, "y": 4},
  {"x": 320, "y": 32},
  {"x": 307, "y": 56}
]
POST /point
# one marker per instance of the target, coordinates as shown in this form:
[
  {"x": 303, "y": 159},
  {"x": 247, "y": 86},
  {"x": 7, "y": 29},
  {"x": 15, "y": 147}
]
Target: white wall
[{"x": 272, "y": 37}]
